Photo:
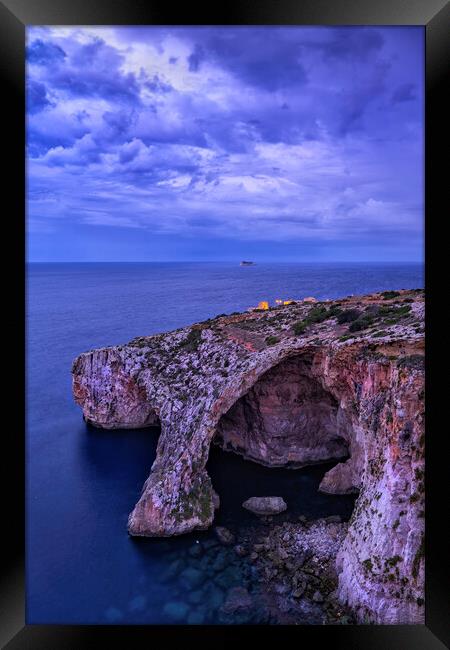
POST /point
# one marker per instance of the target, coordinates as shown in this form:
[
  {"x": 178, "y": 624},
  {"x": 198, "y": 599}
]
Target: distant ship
[{"x": 244, "y": 263}]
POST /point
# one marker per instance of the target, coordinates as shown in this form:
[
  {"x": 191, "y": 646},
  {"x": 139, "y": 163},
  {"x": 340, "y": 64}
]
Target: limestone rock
[
  {"x": 265, "y": 505},
  {"x": 320, "y": 393}
]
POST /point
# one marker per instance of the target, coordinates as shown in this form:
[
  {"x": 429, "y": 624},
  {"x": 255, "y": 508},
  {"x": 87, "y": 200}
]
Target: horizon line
[{"x": 255, "y": 262}]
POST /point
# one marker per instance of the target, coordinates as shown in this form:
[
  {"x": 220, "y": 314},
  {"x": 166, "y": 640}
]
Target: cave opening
[{"x": 287, "y": 421}]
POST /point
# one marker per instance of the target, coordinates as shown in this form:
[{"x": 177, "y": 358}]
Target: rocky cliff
[{"x": 294, "y": 385}]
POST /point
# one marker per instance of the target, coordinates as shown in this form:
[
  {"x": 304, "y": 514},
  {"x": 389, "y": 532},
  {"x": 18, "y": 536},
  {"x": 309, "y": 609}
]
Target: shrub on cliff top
[
  {"x": 334, "y": 310},
  {"x": 300, "y": 327},
  {"x": 317, "y": 315},
  {"x": 387, "y": 295},
  {"x": 192, "y": 340},
  {"x": 360, "y": 324},
  {"x": 348, "y": 315}
]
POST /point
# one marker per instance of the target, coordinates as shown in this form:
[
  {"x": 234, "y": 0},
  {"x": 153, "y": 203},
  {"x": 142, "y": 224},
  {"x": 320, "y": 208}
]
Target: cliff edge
[{"x": 297, "y": 384}]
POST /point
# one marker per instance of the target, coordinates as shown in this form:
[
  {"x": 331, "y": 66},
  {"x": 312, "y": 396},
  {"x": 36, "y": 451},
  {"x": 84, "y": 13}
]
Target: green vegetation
[
  {"x": 348, "y": 315},
  {"x": 346, "y": 337},
  {"x": 380, "y": 333},
  {"x": 334, "y": 310},
  {"x": 317, "y": 315},
  {"x": 368, "y": 564},
  {"x": 139, "y": 342},
  {"x": 272, "y": 340},
  {"x": 372, "y": 314},
  {"x": 388, "y": 295},
  {"x": 300, "y": 327},
  {"x": 193, "y": 340},
  {"x": 361, "y": 323}
]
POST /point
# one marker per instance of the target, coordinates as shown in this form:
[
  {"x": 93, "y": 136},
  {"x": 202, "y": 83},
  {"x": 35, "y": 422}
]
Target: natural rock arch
[
  {"x": 286, "y": 419},
  {"x": 178, "y": 496},
  {"x": 379, "y": 416}
]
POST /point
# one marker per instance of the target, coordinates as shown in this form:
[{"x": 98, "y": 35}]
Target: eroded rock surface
[
  {"x": 287, "y": 419},
  {"x": 290, "y": 386}
]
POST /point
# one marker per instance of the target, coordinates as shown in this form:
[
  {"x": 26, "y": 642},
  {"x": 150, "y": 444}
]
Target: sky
[{"x": 225, "y": 143}]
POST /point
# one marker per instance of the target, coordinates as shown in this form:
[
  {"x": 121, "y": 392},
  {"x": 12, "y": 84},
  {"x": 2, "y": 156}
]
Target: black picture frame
[{"x": 15, "y": 15}]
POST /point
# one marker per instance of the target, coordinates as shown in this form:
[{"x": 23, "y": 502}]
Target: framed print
[{"x": 227, "y": 231}]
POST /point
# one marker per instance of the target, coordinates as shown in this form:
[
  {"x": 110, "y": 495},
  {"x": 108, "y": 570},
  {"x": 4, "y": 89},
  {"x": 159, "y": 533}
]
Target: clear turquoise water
[{"x": 82, "y": 567}]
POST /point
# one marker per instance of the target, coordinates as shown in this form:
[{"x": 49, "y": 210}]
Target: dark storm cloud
[
  {"x": 98, "y": 83},
  {"x": 37, "y": 98},
  {"x": 256, "y": 55},
  {"x": 195, "y": 59},
  {"x": 42, "y": 53},
  {"x": 350, "y": 44}
]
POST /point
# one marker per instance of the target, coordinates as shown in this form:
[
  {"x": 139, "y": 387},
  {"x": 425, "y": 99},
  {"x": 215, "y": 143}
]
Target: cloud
[
  {"x": 245, "y": 134},
  {"x": 41, "y": 53},
  {"x": 195, "y": 58},
  {"x": 347, "y": 43},
  {"x": 257, "y": 56},
  {"x": 37, "y": 98},
  {"x": 404, "y": 93}
]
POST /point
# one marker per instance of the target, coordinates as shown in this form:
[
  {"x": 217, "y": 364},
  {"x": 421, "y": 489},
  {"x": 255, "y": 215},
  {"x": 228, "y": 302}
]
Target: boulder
[
  {"x": 224, "y": 535},
  {"x": 265, "y": 505}
]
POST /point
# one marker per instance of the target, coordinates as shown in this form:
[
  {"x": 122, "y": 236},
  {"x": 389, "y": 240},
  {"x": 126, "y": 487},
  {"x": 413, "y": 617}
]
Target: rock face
[
  {"x": 265, "y": 505},
  {"x": 289, "y": 386},
  {"x": 287, "y": 418}
]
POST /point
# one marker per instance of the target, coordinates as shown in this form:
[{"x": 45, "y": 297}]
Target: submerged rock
[
  {"x": 241, "y": 550},
  {"x": 265, "y": 505},
  {"x": 176, "y": 611},
  {"x": 225, "y": 536},
  {"x": 196, "y": 597},
  {"x": 196, "y": 618},
  {"x": 191, "y": 578},
  {"x": 317, "y": 597},
  {"x": 333, "y": 519},
  {"x": 237, "y": 599}
]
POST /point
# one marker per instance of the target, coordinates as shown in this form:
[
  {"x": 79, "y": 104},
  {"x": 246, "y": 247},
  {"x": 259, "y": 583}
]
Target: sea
[{"x": 82, "y": 567}]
